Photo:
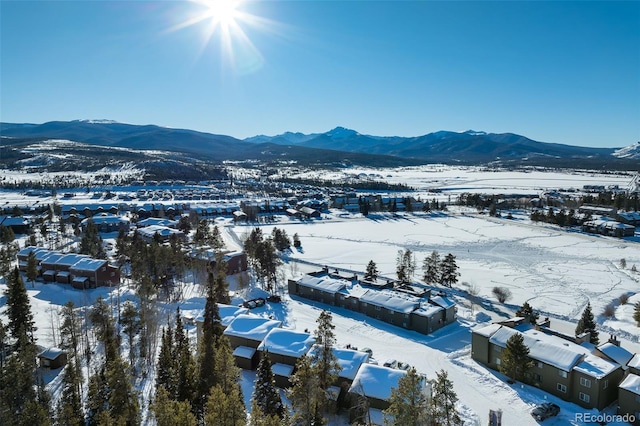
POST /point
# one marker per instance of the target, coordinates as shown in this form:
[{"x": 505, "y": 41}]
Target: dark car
[{"x": 545, "y": 410}]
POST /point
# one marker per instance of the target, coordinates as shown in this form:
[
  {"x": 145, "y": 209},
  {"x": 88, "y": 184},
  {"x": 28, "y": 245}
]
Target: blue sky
[{"x": 564, "y": 72}]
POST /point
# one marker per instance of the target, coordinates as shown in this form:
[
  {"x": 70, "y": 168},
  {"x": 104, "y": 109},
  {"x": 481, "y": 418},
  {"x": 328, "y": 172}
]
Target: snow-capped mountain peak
[{"x": 631, "y": 151}]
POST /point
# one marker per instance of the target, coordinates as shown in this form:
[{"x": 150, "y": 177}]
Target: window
[
  {"x": 585, "y": 382},
  {"x": 497, "y": 349},
  {"x": 562, "y": 388},
  {"x": 537, "y": 378},
  {"x": 498, "y": 361},
  {"x": 562, "y": 373},
  {"x": 378, "y": 308},
  {"x": 584, "y": 397},
  {"x": 605, "y": 384},
  {"x": 538, "y": 364}
]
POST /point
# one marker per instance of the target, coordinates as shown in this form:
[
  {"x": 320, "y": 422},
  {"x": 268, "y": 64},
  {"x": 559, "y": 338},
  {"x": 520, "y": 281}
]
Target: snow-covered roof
[
  {"x": 442, "y": 301},
  {"x": 376, "y": 381},
  {"x": 428, "y": 310},
  {"x": 251, "y": 326},
  {"x": 634, "y": 362},
  {"x": 156, "y": 221},
  {"x": 228, "y": 313},
  {"x": 287, "y": 342},
  {"x": 323, "y": 283},
  {"x": 71, "y": 259},
  {"x": 349, "y": 359},
  {"x": 163, "y": 231},
  {"x": 390, "y": 301},
  {"x": 549, "y": 349},
  {"x": 282, "y": 370},
  {"x": 88, "y": 264},
  {"x": 595, "y": 366},
  {"x": 105, "y": 218},
  {"x": 244, "y": 352},
  {"x": 51, "y": 353},
  {"x": 616, "y": 353},
  {"x": 488, "y": 330},
  {"x": 631, "y": 383}
]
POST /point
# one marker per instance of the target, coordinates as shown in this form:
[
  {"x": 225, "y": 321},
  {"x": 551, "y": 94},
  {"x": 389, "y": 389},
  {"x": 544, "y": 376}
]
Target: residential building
[
  {"x": 629, "y": 398},
  {"x": 561, "y": 367}
]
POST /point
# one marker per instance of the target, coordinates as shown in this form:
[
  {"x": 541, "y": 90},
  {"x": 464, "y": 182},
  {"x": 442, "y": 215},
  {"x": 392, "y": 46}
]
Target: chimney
[{"x": 614, "y": 340}]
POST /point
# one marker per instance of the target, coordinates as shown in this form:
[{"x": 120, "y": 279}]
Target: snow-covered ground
[{"x": 555, "y": 270}]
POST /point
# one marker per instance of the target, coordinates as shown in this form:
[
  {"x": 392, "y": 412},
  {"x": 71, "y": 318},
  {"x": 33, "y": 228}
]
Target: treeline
[{"x": 371, "y": 185}]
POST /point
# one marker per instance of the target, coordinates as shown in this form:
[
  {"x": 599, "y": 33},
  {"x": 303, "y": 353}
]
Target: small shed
[{"x": 52, "y": 358}]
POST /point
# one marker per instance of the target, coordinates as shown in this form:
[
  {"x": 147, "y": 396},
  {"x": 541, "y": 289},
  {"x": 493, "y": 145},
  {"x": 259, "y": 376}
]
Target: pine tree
[
  {"x": 636, "y": 313},
  {"x": 225, "y": 409},
  {"x": 226, "y": 371},
  {"x": 165, "y": 369},
  {"x": 169, "y": 412},
  {"x": 588, "y": 324},
  {"x": 296, "y": 240},
  {"x": 449, "y": 270},
  {"x": 265, "y": 394},
  {"x": 211, "y": 333},
  {"x": 431, "y": 268},
  {"x": 215, "y": 240},
  {"x": 527, "y": 312},
  {"x": 405, "y": 265},
  {"x": 515, "y": 361},
  {"x": 97, "y": 397},
  {"x": 306, "y": 395},
  {"x": 442, "y": 407},
  {"x": 70, "y": 405},
  {"x": 185, "y": 366},
  {"x": 371, "y": 274},
  {"x": 32, "y": 267},
  {"x": 100, "y": 316},
  {"x": 18, "y": 308},
  {"x": 131, "y": 325},
  {"x": 408, "y": 403},
  {"x": 324, "y": 361},
  {"x": 122, "y": 398},
  {"x": 220, "y": 283},
  {"x": 258, "y": 418}
]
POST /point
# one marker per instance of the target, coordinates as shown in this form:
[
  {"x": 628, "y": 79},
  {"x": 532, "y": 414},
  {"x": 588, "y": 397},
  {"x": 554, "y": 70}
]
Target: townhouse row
[
  {"x": 569, "y": 367},
  {"x": 410, "y": 307}
]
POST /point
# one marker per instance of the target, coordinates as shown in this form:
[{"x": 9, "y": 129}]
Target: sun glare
[{"x": 222, "y": 26}]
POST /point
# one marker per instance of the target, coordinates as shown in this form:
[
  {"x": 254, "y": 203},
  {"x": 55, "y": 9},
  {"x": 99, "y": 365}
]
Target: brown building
[{"x": 629, "y": 398}]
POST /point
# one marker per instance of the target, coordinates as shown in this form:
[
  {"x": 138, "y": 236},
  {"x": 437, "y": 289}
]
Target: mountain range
[{"x": 339, "y": 146}]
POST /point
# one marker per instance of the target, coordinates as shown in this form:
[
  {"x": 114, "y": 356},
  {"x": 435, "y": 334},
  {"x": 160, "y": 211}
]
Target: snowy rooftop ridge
[
  {"x": 631, "y": 383},
  {"x": 287, "y": 342},
  {"x": 375, "y": 381},
  {"x": 251, "y": 326}
]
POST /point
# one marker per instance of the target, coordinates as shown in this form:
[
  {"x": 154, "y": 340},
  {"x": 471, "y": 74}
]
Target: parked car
[{"x": 545, "y": 410}]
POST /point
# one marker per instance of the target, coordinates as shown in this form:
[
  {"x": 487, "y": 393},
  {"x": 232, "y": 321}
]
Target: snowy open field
[{"x": 555, "y": 270}]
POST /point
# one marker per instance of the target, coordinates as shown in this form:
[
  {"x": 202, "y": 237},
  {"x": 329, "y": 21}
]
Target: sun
[{"x": 221, "y": 12}]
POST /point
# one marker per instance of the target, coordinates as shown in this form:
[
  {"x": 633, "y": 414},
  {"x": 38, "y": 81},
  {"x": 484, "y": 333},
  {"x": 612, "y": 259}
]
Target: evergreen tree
[
  {"x": 226, "y": 371},
  {"x": 431, "y": 268},
  {"x": 165, "y": 369},
  {"x": 306, "y": 395},
  {"x": 91, "y": 242},
  {"x": 371, "y": 273},
  {"x": 408, "y": 405},
  {"x": 211, "y": 333},
  {"x": 296, "y": 241},
  {"x": 97, "y": 397},
  {"x": 185, "y": 366},
  {"x": 324, "y": 361},
  {"x": 32, "y": 267},
  {"x": 527, "y": 312},
  {"x": 215, "y": 240},
  {"x": 267, "y": 263},
  {"x": 265, "y": 396},
  {"x": 220, "y": 283},
  {"x": 225, "y": 409},
  {"x": 70, "y": 405},
  {"x": 169, "y": 412},
  {"x": 515, "y": 361},
  {"x": 280, "y": 239},
  {"x": 258, "y": 418},
  {"x": 100, "y": 316},
  {"x": 131, "y": 325},
  {"x": 122, "y": 399},
  {"x": 588, "y": 324},
  {"x": 251, "y": 243},
  {"x": 405, "y": 265},
  {"x": 442, "y": 407},
  {"x": 636, "y": 313},
  {"x": 449, "y": 270},
  {"x": 18, "y": 308}
]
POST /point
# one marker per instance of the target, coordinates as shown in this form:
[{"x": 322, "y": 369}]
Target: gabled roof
[
  {"x": 616, "y": 353},
  {"x": 51, "y": 353},
  {"x": 287, "y": 342},
  {"x": 634, "y": 362},
  {"x": 88, "y": 264},
  {"x": 326, "y": 284},
  {"x": 375, "y": 381},
  {"x": 442, "y": 302},
  {"x": 251, "y": 326},
  {"x": 551, "y": 350},
  {"x": 596, "y": 367},
  {"x": 631, "y": 383},
  {"x": 349, "y": 359},
  {"x": 390, "y": 301}
]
